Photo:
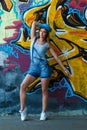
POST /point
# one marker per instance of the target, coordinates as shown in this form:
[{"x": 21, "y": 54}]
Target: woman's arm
[
  {"x": 33, "y": 29},
  {"x": 58, "y": 60}
]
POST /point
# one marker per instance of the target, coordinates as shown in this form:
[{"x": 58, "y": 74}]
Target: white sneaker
[
  {"x": 23, "y": 114},
  {"x": 43, "y": 116}
]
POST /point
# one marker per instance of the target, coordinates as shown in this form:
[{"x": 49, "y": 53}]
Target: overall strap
[
  {"x": 32, "y": 49},
  {"x": 37, "y": 52},
  {"x": 40, "y": 58}
]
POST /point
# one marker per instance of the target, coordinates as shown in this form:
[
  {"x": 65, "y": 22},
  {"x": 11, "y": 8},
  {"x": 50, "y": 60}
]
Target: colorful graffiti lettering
[{"x": 68, "y": 21}]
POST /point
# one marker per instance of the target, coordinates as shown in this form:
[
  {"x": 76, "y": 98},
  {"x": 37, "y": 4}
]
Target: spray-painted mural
[{"x": 68, "y": 21}]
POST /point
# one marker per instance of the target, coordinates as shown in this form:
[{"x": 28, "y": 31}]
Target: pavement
[{"x": 54, "y": 122}]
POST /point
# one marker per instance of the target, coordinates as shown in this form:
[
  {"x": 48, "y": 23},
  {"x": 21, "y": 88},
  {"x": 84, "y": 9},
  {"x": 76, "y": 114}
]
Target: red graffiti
[{"x": 80, "y": 4}]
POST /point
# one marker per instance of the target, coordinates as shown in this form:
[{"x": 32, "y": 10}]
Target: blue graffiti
[
  {"x": 8, "y": 49},
  {"x": 38, "y": 3},
  {"x": 15, "y": 8},
  {"x": 22, "y": 50},
  {"x": 1, "y": 12},
  {"x": 60, "y": 85},
  {"x": 64, "y": 84}
]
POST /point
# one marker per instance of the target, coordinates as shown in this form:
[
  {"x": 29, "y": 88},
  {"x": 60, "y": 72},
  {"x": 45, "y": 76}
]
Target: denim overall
[{"x": 39, "y": 65}]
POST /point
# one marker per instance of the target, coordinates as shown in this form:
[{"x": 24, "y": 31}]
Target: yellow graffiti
[{"x": 77, "y": 36}]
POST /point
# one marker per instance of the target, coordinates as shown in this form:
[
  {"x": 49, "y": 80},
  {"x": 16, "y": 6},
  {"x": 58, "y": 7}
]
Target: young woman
[{"x": 38, "y": 67}]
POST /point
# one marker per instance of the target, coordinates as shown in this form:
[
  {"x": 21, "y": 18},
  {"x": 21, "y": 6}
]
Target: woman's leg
[
  {"x": 44, "y": 83},
  {"x": 26, "y": 82}
]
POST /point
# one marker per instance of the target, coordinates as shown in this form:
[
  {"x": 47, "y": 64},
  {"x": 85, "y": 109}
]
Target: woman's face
[{"x": 43, "y": 33}]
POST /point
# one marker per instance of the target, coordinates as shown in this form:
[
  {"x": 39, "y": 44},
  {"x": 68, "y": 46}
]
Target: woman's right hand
[{"x": 67, "y": 72}]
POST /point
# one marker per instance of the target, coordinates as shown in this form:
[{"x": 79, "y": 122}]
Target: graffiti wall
[{"x": 68, "y": 22}]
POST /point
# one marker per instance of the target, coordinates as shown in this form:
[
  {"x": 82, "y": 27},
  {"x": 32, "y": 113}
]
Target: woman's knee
[
  {"x": 45, "y": 90},
  {"x": 22, "y": 87}
]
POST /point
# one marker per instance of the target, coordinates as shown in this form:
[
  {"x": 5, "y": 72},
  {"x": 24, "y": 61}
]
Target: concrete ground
[{"x": 54, "y": 122}]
